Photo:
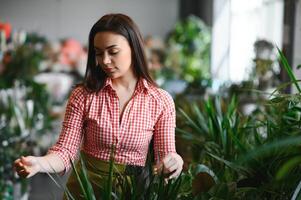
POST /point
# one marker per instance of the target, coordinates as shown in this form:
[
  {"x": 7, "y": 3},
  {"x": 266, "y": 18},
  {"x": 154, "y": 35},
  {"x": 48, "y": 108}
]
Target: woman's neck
[{"x": 125, "y": 83}]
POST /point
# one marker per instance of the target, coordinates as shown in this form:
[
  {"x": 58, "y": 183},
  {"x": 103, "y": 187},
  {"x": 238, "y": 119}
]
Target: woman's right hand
[{"x": 27, "y": 166}]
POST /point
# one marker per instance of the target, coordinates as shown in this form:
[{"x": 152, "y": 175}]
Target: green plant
[
  {"x": 23, "y": 115},
  {"x": 24, "y": 64},
  {"x": 253, "y": 157},
  {"x": 126, "y": 188},
  {"x": 15, "y": 139},
  {"x": 189, "y": 50}
]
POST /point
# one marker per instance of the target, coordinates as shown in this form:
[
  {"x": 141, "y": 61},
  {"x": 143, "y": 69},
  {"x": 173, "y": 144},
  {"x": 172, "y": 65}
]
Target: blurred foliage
[
  {"x": 24, "y": 110},
  {"x": 22, "y": 66},
  {"x": 35, "y": 38},
  {"x": 188, "y": 53},
  {"x": 24, "y": 113}
]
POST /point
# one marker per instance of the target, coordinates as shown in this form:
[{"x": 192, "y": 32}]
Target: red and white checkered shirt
[{"x": 92, "y": 121}]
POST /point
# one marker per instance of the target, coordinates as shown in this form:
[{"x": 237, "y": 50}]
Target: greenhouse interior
[{"x": 150, "y": 99}]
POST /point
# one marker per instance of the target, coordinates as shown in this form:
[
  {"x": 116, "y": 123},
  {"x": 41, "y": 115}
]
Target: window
[{"x": 237, "y": 24}]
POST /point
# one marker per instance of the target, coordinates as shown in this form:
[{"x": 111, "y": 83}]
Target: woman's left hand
[{"x": 172, "y": 165}]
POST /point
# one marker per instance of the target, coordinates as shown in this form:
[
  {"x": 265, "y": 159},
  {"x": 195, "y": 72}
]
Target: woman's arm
[
  {"x": 59, "y": 155},
  {"x": 30, "y": 165},
  {"x": 166, "y": 156}
]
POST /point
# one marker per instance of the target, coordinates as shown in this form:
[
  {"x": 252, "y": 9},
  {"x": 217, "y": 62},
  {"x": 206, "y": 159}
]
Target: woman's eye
[
  {"x": 98, "y": 54},
  {"x": 113, "y": 52}
]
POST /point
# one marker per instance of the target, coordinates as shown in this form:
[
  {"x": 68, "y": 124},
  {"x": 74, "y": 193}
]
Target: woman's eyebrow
[{"x": 108, "y": 47}]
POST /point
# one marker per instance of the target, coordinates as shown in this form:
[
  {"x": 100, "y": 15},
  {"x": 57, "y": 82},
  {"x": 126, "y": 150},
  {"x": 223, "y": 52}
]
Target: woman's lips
[{"x": 109, "y": 69}]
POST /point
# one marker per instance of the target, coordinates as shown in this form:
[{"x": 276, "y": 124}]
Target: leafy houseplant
[
  {"x": 188, "y": 52},
  {"x": 253, "y": 157},
  {"x": 127, "y": 188}
]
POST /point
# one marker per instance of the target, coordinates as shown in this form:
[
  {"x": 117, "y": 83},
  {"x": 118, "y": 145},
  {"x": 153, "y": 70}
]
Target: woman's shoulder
[
  {"x": 162, "y": 95},
  {"x": 79, "y": 92}
]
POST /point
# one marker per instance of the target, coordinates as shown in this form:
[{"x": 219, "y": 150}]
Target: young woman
[{"x": 119, "y": 106}]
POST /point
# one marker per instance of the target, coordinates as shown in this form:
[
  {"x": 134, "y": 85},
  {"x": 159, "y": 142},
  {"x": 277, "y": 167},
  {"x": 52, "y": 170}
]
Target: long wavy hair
[{"x": 121, "y": 24}]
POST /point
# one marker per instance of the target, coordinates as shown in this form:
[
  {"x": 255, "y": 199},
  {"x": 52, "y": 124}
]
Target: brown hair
[{"x": 121, "y": 24}]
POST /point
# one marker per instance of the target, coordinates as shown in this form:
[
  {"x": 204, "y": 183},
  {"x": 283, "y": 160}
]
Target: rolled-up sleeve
[
  {"x": 164, "y": 130},
  {"x": 71, "y": 134}
]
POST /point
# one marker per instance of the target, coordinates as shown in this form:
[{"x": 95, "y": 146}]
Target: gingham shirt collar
[{"x": 142, "y": 85}]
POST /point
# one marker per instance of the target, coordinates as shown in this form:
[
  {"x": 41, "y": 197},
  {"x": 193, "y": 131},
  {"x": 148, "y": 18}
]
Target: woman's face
[{"x": 113, "y": 54}]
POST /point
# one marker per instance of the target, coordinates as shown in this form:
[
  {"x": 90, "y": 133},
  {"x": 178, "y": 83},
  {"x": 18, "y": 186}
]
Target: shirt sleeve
[
  {"x": 71, "y": 134},
  {"x": 164, "y": 131}
]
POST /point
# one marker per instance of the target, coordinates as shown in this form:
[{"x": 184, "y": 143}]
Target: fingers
[
  {"x": 21, "y": 170},
  {"x": 18, "y": 160},
  {"x": 173, "y": 171},
  {"x": 173, "y": 164},
  {"x": 26, "y": 160},
  {"x": 172, "y": 175},
  {"x": 20, "y": 166},
  {"x": 176, "y": 173},
  {"x": 160, "y": 167},
  {"x": 170, "y": 163},
  {"x": 157, "y": 169},
  {"x": 23, "y": 173},
  {"x": 172, "y": 168}
]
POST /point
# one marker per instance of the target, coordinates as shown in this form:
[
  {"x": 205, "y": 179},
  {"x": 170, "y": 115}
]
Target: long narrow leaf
[
  {"x": 282, "y": 86},
  {"x": 200, "y": 118},
  {"x": 176, "y": 187},
  {"x": 296, "y": 195},
  {"x": 190, "y": 121},
  {"x": 288, "y": 69},
  {"x": 287, "y": 166},
  {"x": 189, "y": 136},
  {"x": 79, "y": 180},
  {"x": 59, "y": 184},
  {"x": 86, "y": 182},
  {"x": 268, "y": 148},
  {"x": 110, "y": 177},
  {"x": 232, "y": 165}
]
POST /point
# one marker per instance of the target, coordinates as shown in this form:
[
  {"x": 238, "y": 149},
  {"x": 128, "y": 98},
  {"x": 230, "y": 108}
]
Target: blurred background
[{"x": 232, "y": 67}]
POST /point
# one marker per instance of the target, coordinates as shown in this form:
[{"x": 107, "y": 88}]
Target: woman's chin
[{"x": 113, "y": 75}]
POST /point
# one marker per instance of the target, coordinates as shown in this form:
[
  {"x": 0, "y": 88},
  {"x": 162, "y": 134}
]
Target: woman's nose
[{"x": 106, "y": 59}]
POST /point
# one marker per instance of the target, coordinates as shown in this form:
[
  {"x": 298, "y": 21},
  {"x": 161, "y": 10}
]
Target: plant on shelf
[
  {"x": 262, "y": 80},
  {"x": 266, "y": 69}
]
